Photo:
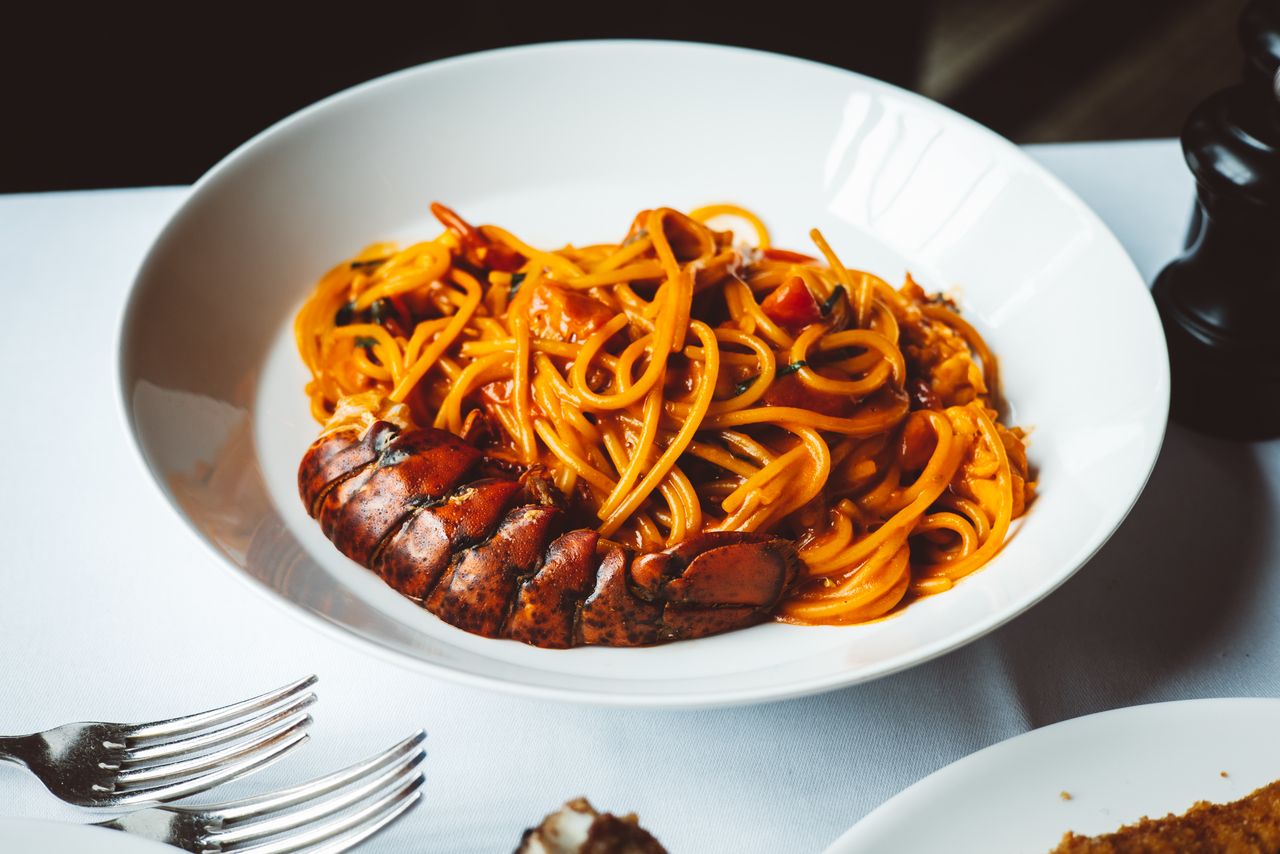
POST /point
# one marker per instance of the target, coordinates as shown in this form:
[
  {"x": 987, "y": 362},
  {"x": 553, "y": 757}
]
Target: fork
[
  {"x": 116, "y": 765},
  {"x": 391, "y": 779}
]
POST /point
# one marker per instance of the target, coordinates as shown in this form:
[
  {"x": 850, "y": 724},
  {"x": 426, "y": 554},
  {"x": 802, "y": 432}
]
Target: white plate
[
  {"x": 565, "y": 143},
  {"x": 31, "y": 836},
  {"x": 1116, "y": 766}
]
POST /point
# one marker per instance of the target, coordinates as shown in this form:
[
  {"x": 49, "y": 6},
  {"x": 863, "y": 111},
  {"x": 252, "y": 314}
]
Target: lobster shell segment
[
  {"x": 413, "y": 467},
  {"x": 414, "y": 557},
  {"x": 546, "y": 607},
  {"x": 717, "y": 582},
  {"x": 612, "y": 616},
  {"x": 485, "y": 556},
  {"x": 336, "y": 456},
  {"x": 477, "y": 594}
]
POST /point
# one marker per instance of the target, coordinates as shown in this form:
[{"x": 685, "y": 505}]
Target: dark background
[{"x": 148, "y": 94}]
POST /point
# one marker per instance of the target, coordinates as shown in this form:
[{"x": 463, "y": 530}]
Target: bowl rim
[{"x": 774, "y": 691}]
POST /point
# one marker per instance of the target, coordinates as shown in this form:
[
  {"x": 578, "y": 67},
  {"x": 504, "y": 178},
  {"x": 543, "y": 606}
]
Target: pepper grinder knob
[{"x": 1220, "y": 301}]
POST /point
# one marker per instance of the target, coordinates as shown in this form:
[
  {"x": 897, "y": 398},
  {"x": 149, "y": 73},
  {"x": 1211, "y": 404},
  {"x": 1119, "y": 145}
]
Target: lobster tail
[{"x": 488, "y": 555}]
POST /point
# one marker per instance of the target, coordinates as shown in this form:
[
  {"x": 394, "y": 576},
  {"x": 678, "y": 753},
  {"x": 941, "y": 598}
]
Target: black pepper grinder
[{"x": 1220, "y": 301}]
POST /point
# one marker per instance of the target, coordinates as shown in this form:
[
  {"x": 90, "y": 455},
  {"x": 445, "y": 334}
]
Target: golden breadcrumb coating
[{"x": 1248, "y": 826}]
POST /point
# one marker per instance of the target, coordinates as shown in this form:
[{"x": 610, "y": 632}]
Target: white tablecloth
[{"x": 111, "y": 610}]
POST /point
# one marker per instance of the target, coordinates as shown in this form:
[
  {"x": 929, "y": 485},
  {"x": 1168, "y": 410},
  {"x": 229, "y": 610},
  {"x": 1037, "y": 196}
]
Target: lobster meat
[{"x": 488, "y": 554}]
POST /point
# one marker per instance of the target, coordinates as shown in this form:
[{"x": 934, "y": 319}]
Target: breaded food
[{"x": 1248, "y": 826}]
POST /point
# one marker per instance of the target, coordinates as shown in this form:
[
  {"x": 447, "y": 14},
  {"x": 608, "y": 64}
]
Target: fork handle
[{"x": 16, "y": 748}]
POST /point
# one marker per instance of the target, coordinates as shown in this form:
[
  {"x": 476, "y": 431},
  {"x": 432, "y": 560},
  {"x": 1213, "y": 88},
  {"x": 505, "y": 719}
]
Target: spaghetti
[{"x": 676, "y": 383}]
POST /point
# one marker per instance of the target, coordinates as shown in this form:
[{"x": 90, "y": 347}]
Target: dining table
[{"x": 112, "y": 608}]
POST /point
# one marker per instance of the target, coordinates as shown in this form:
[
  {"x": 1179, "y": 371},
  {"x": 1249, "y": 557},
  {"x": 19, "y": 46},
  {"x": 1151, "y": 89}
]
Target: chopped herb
[
  {"x": 781, "y": 372},
  {"x": 639, "y": 235},
  {"x": 831, "y": 301},
  {"x": 516, "y": 279},
  {"x": 791, "y": 368},
  {"x": 381, "y": 311},
  {"x": 346, "y": 315},
  {"x": 364, "y": 341},
  {"x": 356, "y": 265}
]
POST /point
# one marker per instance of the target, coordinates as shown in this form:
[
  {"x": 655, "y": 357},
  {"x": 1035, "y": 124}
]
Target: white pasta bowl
[{"x": 565, "y": 143}]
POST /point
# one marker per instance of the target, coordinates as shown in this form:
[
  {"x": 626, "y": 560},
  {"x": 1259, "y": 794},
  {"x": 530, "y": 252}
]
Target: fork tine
[
  {"x": 267, "y": 754},
  {"x": 360, "y": 834},
  {"x": 202, "y": 762},
  {"x": 292, "y": 796},
  {"x": 212, "y": 738},
  {"x": 401, "y": 797},
  {"x": 320, "y": 810},
  {"x": 202, "y": 720}
]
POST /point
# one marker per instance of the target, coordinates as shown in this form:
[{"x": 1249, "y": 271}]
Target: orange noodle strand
[{"x": 678, "y": 382}]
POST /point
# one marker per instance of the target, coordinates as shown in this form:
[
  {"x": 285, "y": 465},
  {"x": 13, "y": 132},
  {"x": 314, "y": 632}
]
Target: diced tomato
[
  {"x": 402, "y": 311},
  {"x": 922, "y": 395},
  {"x": 563, "y": 314},
  {"x": 504, "y": 259},
  {"x": 792, "y": 304},
  {"x": 919, "y": 441},
  {"x": 790, "y": 391}
]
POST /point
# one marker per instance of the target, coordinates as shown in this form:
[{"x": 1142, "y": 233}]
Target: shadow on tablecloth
[{"x": 1182, "y": 602}]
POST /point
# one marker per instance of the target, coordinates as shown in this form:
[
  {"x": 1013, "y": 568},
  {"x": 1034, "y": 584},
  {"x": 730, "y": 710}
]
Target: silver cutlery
[
  {"x": 389, "y": 782},
  {"x": 116, "y": 765}
]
